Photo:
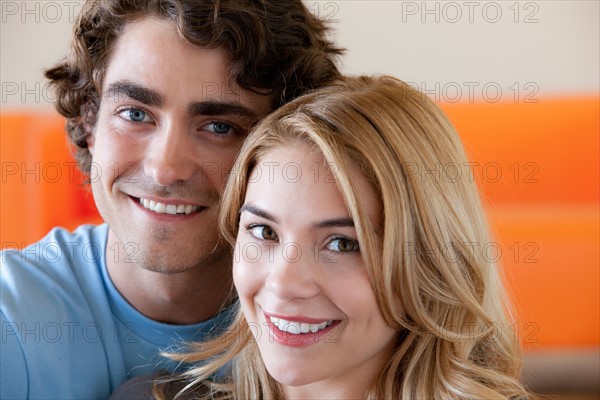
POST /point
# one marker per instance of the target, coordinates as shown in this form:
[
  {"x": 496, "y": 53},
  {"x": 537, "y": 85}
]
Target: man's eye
[
  {"x": 343, "y": 245},
  {"x": 219, "y": 128},
  {"x": 263, "y": 232},
  {"x": 134, "y": 115}
]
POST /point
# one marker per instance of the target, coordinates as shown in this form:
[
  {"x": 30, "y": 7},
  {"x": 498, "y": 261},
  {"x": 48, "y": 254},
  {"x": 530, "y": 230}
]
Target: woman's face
[{"x": 302, "y": 282}]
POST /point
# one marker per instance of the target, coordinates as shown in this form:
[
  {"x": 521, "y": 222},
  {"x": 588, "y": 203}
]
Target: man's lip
[
  {"x": 169, "y": 209},
  {"x": 168, "y": 201}
]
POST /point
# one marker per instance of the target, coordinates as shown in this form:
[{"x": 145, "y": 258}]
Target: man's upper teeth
[
  {"x": 162, "y": 208},
  {"x": 297, "y": 328}
]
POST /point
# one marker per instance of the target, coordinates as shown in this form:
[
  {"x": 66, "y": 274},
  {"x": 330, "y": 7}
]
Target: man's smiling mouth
[{"x": 173, "y": 209}]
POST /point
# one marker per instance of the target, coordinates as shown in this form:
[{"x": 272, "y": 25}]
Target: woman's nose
[{"x": 292, "y": 275}]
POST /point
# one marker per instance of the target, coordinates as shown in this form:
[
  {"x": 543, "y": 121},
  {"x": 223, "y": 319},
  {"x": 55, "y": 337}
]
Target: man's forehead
[
  {"x": 151, "y": 55},
  {"x": 150, "y": 50}
]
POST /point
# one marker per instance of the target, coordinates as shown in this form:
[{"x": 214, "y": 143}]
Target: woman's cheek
[{"x": 246, "y": 269}]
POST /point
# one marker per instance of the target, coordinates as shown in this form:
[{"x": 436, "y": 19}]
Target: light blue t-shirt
[{"x": 67, "y": 333}]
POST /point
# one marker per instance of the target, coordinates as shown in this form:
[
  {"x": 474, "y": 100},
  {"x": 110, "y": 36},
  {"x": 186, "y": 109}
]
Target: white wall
[{"x": 455, "y": 50}]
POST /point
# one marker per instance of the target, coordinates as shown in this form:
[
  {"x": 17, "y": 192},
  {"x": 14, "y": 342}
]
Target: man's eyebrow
[
  {"x": 337, "y": 222},
  {"x": 258, "y": 212},
  {"x": 210, "y": 107},
  {"x": 134, "y": 91}
]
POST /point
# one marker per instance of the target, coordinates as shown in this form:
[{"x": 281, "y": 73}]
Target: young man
[{"x": 159, "y": 96}]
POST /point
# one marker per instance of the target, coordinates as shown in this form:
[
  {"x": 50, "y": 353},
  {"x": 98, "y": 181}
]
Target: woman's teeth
[
  {"x": 173, "y": 209},
  {"x": 297, "y": 328}
]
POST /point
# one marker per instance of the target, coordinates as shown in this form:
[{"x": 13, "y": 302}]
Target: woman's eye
[
  {"x": 263, "y": 232},
  {"x": 343, "y": 245},
  {"x": 135, "y": 115},
  {"x": 219, "y": 128}
]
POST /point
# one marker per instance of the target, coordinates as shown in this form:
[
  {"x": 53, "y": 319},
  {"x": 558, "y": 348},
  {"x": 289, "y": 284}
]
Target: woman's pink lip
[{"x": 326, "y": 335}]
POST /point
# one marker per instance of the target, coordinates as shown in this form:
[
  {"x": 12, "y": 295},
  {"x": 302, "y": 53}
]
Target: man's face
[{"x": 169, "y": 127}]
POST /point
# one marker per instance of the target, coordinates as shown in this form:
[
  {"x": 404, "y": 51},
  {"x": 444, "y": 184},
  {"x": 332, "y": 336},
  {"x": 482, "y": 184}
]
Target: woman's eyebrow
[
  {"x": 343, "y": 222},
  {"x": 258, "y": 212},
  {"x": 336, "y": 222}
]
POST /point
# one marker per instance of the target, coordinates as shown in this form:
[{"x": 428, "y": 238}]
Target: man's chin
[
  {"x": 178, "y": 261},
  {"x": 169, "y": 264},
  {"x": 167, "y": 270}
]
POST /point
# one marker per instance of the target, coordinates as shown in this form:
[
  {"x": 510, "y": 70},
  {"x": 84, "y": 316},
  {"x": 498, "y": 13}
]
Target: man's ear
[
  {"x": 89, "y": 116},
  {"x": 91, "y": 140}
]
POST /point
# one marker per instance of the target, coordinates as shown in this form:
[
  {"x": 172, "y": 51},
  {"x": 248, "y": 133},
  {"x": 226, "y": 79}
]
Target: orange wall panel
[
  {"x": 41, "y": 186},
  {"x": 537, "y": 165},
  {"x": 533, "y": 153}
]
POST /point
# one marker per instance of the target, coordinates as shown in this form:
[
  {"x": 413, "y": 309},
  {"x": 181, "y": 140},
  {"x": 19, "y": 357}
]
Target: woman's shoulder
[{"x": 140, "y": 388}]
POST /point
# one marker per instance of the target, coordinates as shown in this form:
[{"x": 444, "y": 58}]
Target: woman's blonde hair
[{"x": 433, "y": 280}]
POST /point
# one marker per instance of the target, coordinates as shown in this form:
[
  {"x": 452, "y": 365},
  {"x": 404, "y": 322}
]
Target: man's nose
[{"x": 170, "y": 155}]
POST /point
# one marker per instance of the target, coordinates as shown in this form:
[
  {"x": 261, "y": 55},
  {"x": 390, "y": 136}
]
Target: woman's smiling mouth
[{"x": 296, "y": 328}]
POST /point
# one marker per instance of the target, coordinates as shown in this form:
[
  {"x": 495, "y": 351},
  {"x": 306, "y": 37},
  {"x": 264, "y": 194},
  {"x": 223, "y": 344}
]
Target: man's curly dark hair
[{"x": 276, "y": 47}]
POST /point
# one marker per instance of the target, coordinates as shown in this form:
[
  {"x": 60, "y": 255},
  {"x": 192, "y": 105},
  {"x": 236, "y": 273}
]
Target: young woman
[{"x": 359, "y": 275}]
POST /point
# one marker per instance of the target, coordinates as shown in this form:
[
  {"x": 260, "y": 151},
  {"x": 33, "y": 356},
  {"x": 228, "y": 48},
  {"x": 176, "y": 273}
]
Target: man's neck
[{"x": 189, "y": 297}]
